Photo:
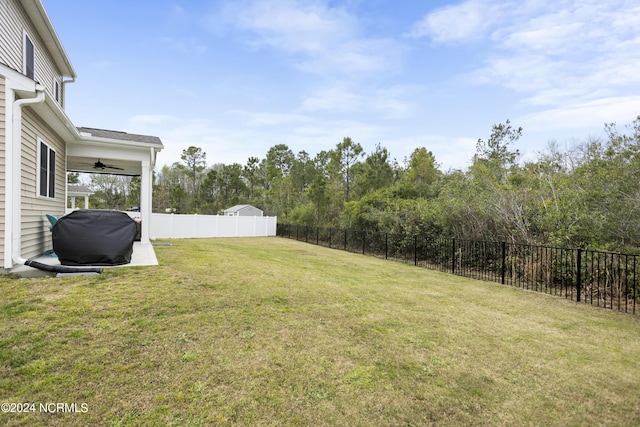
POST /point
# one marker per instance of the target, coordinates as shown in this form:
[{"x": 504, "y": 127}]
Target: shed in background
[{"x": 242, "y": 210}]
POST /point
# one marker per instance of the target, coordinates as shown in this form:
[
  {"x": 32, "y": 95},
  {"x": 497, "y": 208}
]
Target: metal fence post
[
  {"x": 415, "y": 249},
  {"x": 453, "y": 256},
  {"x": 504, "y": 260},
  {"x": 635, "y": 282},
  {"x": 579, "y": 274},
  {"x": 386, "y": 245}
]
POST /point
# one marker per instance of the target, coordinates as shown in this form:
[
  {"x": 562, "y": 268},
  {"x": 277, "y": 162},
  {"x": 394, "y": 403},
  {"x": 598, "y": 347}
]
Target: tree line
[{"x": 586, "y": 195}]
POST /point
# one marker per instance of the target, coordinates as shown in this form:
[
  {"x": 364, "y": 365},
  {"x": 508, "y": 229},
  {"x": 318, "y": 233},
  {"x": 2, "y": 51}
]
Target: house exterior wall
[
  {"x": 3, "y": 139},
  {"x": 11, "y": 34},
  {"x": 36, "y": 237},
  {"x": 14, "y": 25}
]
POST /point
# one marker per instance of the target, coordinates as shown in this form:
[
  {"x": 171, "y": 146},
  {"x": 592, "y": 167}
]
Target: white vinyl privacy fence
[{"x": 177, "y": 226}]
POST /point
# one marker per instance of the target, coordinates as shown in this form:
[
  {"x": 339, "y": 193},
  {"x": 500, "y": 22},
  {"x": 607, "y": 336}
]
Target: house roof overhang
[
  {"x": 51, "y": 112},
  {"x": 124, "y": 152},
  {"x": 121, "y": 153},
  {"x": 38, "y": 15}
]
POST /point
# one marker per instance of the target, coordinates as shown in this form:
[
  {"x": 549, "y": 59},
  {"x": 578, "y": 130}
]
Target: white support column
[{"x": 145, "y": 201}]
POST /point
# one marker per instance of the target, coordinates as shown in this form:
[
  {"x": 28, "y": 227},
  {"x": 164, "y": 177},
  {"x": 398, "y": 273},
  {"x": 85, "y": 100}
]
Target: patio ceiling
[{"x": 103, "y": 165}]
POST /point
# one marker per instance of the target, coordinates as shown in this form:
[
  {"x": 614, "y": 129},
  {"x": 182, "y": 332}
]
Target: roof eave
[
  {"x": 38, "y": 15},
  {"x": 112, "y": 141},
  {"x": 56, "y": 118}
]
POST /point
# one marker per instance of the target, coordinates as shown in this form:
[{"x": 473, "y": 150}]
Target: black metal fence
[{"x": 603, "y": 279}]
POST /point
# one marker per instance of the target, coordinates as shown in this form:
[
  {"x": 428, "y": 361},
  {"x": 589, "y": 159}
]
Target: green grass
[{"x": 269, "y": 331}]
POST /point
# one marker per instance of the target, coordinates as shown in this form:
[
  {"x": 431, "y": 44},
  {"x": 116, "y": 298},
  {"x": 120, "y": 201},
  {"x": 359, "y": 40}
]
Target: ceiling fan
[{"x": 101, "y": 166}]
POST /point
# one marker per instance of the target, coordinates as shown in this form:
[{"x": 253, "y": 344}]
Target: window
[
  {"x": 46, "y": 170},
  {"x": 29, "y": 61}
]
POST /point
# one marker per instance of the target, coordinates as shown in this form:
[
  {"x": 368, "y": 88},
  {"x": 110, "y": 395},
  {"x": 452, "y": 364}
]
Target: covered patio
[
  {"x": 118, "y": 153},
  {"x": 99, "y": 151}
]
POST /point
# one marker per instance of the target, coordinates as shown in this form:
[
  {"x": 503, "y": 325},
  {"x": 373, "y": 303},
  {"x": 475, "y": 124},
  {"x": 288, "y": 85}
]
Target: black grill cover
[{"x": 94, "y": 237}]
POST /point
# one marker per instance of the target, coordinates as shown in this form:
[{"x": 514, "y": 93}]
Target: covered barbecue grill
[{"x": 94, "y": 237}]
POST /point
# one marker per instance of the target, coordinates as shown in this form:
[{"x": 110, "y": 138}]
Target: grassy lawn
[{"x": 269, "y": 331}]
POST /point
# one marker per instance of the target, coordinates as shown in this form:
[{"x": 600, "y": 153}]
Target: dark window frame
[
  {"x": 29, "y": 57},
  {"x": 46, "y": 170}
]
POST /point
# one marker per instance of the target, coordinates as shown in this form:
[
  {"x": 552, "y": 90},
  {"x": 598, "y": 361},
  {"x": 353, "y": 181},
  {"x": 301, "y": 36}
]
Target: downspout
[
  {"x": 16, "y": 162},
  {"x": 64, "y": 90}
]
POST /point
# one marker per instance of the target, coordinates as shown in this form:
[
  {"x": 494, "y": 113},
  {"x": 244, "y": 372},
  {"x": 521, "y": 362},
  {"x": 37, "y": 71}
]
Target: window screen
[
  {"x": 29, "y": 67},
  {"x": 47, "y": 169}
]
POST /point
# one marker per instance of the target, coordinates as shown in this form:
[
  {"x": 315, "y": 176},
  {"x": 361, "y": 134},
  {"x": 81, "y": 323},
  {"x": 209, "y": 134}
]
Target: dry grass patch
[{"x": 269, "y": 331}]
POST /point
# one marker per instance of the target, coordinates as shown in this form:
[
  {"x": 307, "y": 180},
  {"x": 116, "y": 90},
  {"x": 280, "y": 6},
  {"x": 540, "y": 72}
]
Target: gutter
[{"x": 14, "y": 179}]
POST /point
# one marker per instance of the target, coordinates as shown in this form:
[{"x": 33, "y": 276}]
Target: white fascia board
[
  {"x": 95, "y": 140},
  {"x": 17, "y": 81},
  {"x": 50, "y": 110},
  {"x": 57, "y": 119},
  {"x": 107, "y": 151}
]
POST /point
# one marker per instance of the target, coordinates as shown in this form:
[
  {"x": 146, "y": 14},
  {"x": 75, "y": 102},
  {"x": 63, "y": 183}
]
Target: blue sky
[{"x": 240, "y": 76}]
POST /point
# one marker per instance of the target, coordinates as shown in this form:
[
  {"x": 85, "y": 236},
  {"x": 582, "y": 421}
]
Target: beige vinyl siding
[
  {"x": 3, "y": 139},
  {"x": 11, "y": 35},
  {"x": 36, "y": 237},
  {"x": 14, "y": 24}
]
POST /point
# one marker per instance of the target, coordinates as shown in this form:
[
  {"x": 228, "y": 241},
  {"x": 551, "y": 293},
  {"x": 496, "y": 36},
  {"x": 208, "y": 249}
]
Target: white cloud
[
  {"x": 354, "y": 56},
  {"x": 546, "y": 38},
  {"x": 584, "y": 115},
  {"x": 466, "y": 21},
  {"x": 245, "y": 134},
  {"x": 269, "y": 119},
  {"x": 395, "y": 102},
  {"x": 449, "y": 152},
  {"x": 335, "y": 98},
  {"x": 319, "y": 37},
  {"x": 292, "y": 26},
  {"x": 578, "y": 61}
]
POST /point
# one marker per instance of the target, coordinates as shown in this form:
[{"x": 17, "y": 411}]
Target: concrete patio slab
[{"x": 143, "y": 255}]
